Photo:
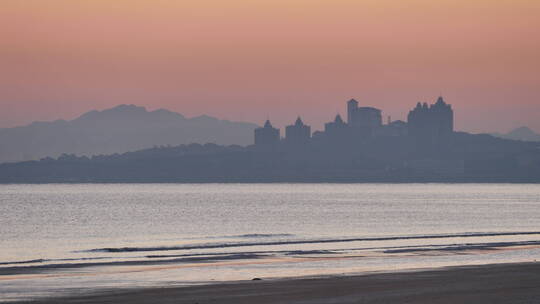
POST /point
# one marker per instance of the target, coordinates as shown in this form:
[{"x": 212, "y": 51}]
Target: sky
[{"x": 249, "y": 60}]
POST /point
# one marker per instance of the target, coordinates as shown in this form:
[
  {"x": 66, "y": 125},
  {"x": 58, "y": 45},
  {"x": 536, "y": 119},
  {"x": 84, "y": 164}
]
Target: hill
[
  {"x": 120, "y": 129},
  {"x": 461, "y": 158},
  {"x": 522, "y": 133}
]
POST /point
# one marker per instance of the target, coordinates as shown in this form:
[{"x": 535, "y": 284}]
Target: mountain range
[
  {"x": 120, "y": 129},
  {"x": 521, "y": 133}
]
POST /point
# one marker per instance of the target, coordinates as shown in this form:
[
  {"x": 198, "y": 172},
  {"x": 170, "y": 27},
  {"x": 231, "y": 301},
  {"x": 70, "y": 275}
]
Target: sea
[{"x": 72, "y": 239}]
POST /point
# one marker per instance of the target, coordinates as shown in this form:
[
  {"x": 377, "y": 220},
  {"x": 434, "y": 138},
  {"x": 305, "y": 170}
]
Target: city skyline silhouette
[{"x": 362, "y": 148}]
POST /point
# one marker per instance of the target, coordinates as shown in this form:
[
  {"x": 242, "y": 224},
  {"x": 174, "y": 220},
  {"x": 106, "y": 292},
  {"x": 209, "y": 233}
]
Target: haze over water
[{"x": 59, "y": 238}]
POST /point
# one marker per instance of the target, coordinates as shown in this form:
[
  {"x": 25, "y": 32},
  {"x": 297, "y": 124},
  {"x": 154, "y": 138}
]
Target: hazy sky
[{"x": 252, "y": 59}]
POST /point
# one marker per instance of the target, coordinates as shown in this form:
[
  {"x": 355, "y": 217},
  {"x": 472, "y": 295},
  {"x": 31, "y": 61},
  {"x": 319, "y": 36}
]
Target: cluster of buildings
[{"x": 425, "y": 122}]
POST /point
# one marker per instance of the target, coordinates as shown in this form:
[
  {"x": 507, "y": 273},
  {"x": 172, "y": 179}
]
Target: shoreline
[
  {"x": 283, "y": 181},
  {"x": 493, "y": 283}
]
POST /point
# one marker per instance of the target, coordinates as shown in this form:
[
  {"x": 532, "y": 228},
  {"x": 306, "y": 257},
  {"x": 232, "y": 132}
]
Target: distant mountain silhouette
[
  {"x": 120, "y": 129},
  {"x": 522, "y": 133}
]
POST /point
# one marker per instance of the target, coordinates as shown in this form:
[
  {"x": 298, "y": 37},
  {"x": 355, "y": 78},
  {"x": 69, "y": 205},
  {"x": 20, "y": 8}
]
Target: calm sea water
[{"x": 70, "y": 238}]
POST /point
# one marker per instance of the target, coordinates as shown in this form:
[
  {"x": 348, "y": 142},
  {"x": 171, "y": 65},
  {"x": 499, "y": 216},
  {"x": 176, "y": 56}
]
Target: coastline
[
  {"x": 493, "y": 283},
  {"x": 230, "y": 180}
]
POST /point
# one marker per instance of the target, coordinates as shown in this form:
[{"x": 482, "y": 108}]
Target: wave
[
  {"x": 164, "y": 256},
  {"x": 308, "y": 241},
  {"x": 202, "y": 259},
  {"x": 224, "y": 256},
  {"x": 24, "y": 262},
  {"x": 52, "y": 260},
  {"x": 463, "y": 247},
  {"x": 266, "y": 252}
]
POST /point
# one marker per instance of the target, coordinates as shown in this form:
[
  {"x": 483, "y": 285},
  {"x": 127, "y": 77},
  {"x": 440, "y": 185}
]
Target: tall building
[
  {"x": 443, "y": 117},
  {"x": 431, "y": 122},
  {"x": 337, "y": 130},
  {"x": 364, "y": 120},
  {"x": 352, "y": 106},
  {"x": 267, "y": 135},
  {"x": 299, "y": 133}
]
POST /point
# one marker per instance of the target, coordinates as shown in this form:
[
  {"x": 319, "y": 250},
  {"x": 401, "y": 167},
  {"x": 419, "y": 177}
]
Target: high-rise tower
[
  {"x": 267, "y": 135},
  {"x": 352, "y": 106},
  {"x": 364, "y": 121},
  {"x": 298, "y": 133},
  {"x": 431, "y": 122}
]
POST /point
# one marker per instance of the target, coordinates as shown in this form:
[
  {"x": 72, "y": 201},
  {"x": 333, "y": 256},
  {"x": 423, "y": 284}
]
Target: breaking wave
[{"x": 307, "y": 241}]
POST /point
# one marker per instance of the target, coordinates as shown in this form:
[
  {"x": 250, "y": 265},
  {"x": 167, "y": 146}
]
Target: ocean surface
[{"x": 80, "y": 238}]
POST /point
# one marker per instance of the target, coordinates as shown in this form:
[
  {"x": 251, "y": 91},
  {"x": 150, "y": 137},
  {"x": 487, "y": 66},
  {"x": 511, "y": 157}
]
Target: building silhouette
[
  {"x": 267, "y": 135},
  {"x": 397, "y": 128},
  {"x": 424, "y": 149},
  {"x": 299, "y": 133},
  {"x": 431, "y": 123},
  {"x": 337, "y": 130},
  {"x": 425, "y": 124},
  {"x": 364, "y": 120},
  {"x": 352, "y": 106}
]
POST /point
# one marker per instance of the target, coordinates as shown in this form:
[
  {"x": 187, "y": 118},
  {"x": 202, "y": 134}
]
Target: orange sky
[{"x": 252, "y": 59}]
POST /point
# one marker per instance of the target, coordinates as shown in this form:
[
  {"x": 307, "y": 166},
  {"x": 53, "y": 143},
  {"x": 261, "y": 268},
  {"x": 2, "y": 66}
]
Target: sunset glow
[{"x": 249, "y": 60}]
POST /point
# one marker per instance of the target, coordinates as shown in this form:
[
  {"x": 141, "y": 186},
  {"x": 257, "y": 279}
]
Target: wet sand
[{"x": 508, "y": 283}]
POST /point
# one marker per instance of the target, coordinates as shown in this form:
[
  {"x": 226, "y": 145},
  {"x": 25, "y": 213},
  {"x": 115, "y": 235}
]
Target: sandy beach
[{"x": 506, "y": 283}]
